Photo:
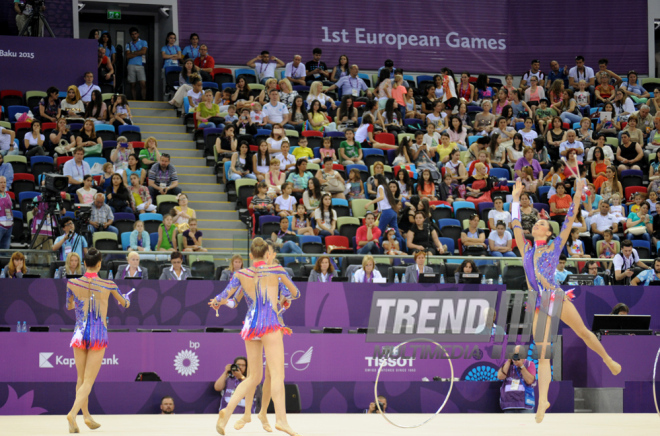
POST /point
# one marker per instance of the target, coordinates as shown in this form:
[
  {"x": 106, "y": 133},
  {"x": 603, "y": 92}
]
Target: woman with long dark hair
[
  {"x": 386, "y": 204},
  {"x": 119, "y": 199},
  {"x": 96, "y": 110},
  {"x": 341, "y": 69},
  {"x": 347, "y": 115},
  {"x": 105, "y": 41},
  {"x": 298, "y": 113},
  {"x": 540, "y": 261}
]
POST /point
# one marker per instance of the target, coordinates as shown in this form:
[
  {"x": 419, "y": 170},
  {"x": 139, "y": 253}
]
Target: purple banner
[
  {"x": 636, "y": 355},
  {"x": 315, "y": 397},
  {"x": 422, "y": 36},
  {"x": 638, "y": 397},
  {"x": 41, "y": 357},
  {"x": 26, "y": 60},
  {"x": 159, "y": 303}
]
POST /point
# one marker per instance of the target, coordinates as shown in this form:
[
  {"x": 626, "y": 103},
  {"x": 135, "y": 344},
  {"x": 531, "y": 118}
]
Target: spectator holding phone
[{"x": 517, "y": 391}]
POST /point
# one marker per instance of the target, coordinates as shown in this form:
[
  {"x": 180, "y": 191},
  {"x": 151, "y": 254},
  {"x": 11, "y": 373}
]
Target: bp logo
[{"x": 186, "y": 362}]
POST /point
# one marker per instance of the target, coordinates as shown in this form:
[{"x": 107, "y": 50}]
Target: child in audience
[
  {"x": 582, "y": 99},
  {"x": 231, "y": 116},
  {"x": 223, "y": 100},
  {"x": 607, "y": 247},
  {"x": 192, "y": 238},
  {"x": 432, "y": 138},
  {"x": 86, "y": 193},
  {"x": 256, "y": 115},
  {"x": 391, "y": 243},
  {"x": 261, "y": 203},
  {"x": 638, "y": 199},
  {"x": 167, "y": 235},
  {"x": 106, "y": 176},
  {"x": 304, "y": 152},
  {"x": 617, "y": 209},
  {"x": 122, "y": 113},
  {"x": 194, "y": 96},
  {"x": 301, "y": 223},
  {"x": 574, "y": 246},
  {"x": 543, "y": 115},
  {"x": 284, "y": 204},
  {"x": 139, "y": 240},
  {"x": 652, "y": 200},
  {"x": 327, "y": 150},
  {"x": 354, "y": 185},
  {"x": 425, "y": 186}
]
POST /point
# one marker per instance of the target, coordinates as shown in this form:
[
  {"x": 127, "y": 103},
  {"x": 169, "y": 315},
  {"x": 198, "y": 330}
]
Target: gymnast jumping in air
[
  {"x": 89, "y": 295},
  {"x": 540, "y": 261},
  {"x": 263, "y": 329}
]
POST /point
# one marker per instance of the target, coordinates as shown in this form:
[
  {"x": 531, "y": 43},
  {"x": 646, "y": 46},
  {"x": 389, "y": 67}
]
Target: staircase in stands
[{"x": 217, "y": 217}]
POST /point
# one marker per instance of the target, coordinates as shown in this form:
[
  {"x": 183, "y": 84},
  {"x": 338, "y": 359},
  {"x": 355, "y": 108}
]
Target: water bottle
[
  {"x": 2, "y": 274},
  {"x": 396, "y": 278},
  {"x": 483, "y": 279},
  {"x": 24, "y": 327},
  {"x": 403, "y": 278},
  {"x": 442, "y": 278},
  {"x": 57, "y": 274},
  {"x": 18, "y": 327},
  {"x": 457, "y": 277},
  {"x": 353, "y": 277},
  {"x": 499, "y": 280},
  {"x": 110, "y": 275}
]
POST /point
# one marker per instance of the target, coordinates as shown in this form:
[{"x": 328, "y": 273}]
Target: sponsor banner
[
  {"x": 23, "y": 60},
  {"x": 203, "y": 356}
]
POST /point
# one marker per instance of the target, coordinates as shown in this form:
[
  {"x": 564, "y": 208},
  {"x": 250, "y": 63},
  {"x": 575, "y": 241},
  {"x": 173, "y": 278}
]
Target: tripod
[
  {"x": 51, "y": 216},
  {"x": 33, "y": 20}
]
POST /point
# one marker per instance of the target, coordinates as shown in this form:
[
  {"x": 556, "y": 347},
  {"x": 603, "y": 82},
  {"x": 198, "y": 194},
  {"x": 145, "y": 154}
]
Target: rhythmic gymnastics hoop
[
  {"x": 655, "y": 398},
  {"x": 451, "y": 385}
]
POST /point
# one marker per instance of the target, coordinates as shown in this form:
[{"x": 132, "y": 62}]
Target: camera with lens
[
  {"x": 516, "y": 357},
  {"x": 381, "y": 405},
  {"x": 234, "y": 368}
]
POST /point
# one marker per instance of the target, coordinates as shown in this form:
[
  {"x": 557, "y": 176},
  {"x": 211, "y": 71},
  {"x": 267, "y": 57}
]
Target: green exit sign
[{"x": 114, "y": 15}]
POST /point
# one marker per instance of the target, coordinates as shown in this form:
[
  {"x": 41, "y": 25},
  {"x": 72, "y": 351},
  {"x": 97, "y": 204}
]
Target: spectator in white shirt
[
  {"x": 625, "y": 261},
  {"x": 601, "y": 222},
  {"x": 580, "y": 72},
  {"x": 86, "y": 88},
  {"x": 265, "y": 65},
  {"x": 572, "y": 143},
  {"x": 295, "y": 71},
  {"x": 287, "y": 160},
  {"x": 275, "y": 112}
]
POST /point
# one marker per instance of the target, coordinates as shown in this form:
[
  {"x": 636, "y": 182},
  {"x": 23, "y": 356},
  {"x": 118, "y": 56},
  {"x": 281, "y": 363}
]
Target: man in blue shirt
[
  {"x": 351, "y": 84},
  {"x": 192, "y": 51},
  {"x": 592, "y": 268},
  {"x": 649, "y": 275},
  {"x": 136, "y": 54},
  {"x": 557, "y": 73},
  {"x": 70, "y": 241},
  {"x": 561, "y": 273}
]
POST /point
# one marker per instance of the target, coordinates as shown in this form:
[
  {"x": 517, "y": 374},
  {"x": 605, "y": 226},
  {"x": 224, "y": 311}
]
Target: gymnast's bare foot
[
  {"x": 222, "y": 422},
  {"x": 613, "y": 366},
  {"x": 242, "y": 421},
  {"x": 89, "y": 422},
  {"x": 73, "y": 427},
  {"x": 286, "y": 429},
  {"x": 540, "y": 412},
  {"x": 264, "y": 422}
]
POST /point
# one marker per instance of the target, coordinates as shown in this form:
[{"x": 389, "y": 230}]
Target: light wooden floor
[{"x": 350, "y": 425}]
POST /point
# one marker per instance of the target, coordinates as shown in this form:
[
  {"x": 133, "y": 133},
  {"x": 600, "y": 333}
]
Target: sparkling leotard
[
  {"x": 261, "y": 318},
  {"x": 90, "y": 332},
  {"x": 540, "y": 263}
]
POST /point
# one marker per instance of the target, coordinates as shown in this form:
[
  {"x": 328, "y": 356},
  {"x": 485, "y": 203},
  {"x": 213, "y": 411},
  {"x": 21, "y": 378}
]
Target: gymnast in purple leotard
[
  {"x": 263, "y": 328},
  {"x": 540, "y": 261}
]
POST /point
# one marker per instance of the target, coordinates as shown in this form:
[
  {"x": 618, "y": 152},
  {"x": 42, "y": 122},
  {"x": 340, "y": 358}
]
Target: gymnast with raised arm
[
  {"x": 540, "y": 261},
  {"x": 263, "y": 329},
  {"x": 89, "y": 296}
]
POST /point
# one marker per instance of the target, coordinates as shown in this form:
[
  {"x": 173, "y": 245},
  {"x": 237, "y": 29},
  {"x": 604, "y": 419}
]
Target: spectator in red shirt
[
  {"x": 106, "y": 72},
  {"x": 367, "y": 236},
  {"x": 205, "y": 63}
]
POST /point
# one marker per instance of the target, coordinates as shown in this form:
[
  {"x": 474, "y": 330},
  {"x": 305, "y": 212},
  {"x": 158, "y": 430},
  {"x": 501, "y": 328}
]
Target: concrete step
[
  {"x": 209, "y": 213},
  {"x": 138, "y": 104},
  {"x": 203, "y": 179},
  {"x": 147, "y": 129},
  {"x": 155, "y": 112},
  {"x": 175, "y": 136},
  {"x": 212, "y": 197},
  {"x": 189, "y": 164},
  {"x": 176, "y": 153}
]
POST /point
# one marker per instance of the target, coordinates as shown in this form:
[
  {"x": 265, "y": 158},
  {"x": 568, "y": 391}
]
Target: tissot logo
[{"x": 43, "y": 360}]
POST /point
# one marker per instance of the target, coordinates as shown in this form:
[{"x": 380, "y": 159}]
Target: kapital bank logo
[{"x": 45, "y": 362}]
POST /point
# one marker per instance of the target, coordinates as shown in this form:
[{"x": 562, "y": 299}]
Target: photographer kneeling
[
  {"x": 382, "y": 401},
  {"x": 227, "y": 383},
  {"x": 517, "y": 391}
]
